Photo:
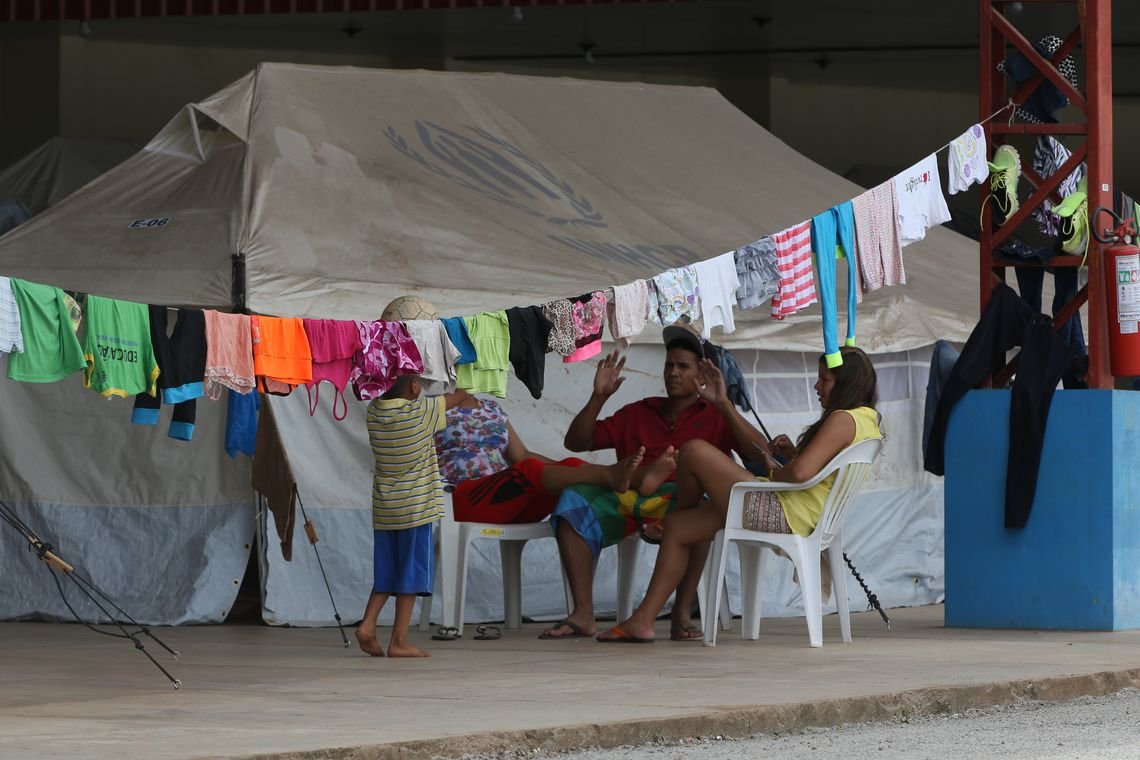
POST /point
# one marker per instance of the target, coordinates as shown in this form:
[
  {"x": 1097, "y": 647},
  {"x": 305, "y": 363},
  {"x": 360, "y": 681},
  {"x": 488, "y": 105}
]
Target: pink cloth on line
[
  {"x": 877, "y": 238},
  {"x": 386, "y": 352},
  {"x": 589, "y": 314},
  {"x": 332, "y": 343},
  {"x": 229, "y": 353},
  {"x": 793, "y": 261}
]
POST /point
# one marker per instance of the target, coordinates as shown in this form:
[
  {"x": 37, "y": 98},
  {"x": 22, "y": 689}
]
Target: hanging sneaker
[
  {"x": 1005, "y": 173},
  {"x": 1074, "y": 214}
]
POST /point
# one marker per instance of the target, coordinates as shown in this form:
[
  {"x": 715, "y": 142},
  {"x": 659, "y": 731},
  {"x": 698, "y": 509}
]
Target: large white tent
[
  {"x": 59, "y": 167},
  {"x": 311, "y": 191}
]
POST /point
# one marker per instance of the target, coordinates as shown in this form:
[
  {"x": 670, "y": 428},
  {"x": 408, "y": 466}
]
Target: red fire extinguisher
[{"x": 1122, "y": 292}]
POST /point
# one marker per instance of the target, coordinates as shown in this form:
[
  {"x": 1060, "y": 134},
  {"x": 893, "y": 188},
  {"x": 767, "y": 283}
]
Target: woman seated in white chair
[
  {"x": 705, "y": 477},
  {"x": 498, "y": 479}
]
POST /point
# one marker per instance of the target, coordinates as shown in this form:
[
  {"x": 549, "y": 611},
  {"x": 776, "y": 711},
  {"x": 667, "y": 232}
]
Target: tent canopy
[
  {"x": 342, "y": 188},
  {"x": 59, "y": 167}
]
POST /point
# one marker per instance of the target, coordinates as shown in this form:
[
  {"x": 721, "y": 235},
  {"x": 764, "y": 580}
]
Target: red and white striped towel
[{"x": 793, "y": 260}]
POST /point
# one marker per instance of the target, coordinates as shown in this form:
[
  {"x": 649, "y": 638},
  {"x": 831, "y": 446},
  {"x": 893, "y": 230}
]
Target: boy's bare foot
[
  {"x": 369, "y": 644},
  {"x": 657, "y": 471},
  {"x": 622, "y": 472},
  {"x": 406, "y": 650}
]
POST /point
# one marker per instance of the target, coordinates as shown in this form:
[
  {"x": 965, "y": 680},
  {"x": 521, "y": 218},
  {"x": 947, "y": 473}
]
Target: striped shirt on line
[
  {"x": 10, "y": 337},
  {"x": 793, "y": 261}
]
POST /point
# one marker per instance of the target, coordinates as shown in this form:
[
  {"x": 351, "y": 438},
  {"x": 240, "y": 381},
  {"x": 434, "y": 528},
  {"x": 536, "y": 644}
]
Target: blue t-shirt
[{"x": 457, "y": 332}]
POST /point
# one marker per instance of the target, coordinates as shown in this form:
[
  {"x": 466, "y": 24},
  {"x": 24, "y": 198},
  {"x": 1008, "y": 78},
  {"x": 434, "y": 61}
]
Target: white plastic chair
[
  {"x": 453, "y": 542},
  {"x": 851, "y": 467},
  {"x": 628, "y": 551}
]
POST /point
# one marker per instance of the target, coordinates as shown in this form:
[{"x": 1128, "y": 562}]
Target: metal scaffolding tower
[{"x": 1093, "y": 33}]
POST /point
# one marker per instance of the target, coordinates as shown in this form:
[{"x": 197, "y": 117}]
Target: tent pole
[{"x": 237, "y": 282}]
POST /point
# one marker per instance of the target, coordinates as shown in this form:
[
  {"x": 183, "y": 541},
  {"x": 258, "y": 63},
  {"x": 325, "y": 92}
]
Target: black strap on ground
[
  {"x": 56, "y": 565},
  {"x": 872, "y": 598},
  {"x": 311, "y": 532}
]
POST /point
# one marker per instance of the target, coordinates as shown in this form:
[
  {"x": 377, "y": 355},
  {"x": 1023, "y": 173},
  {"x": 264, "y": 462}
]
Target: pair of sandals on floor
[{"x": 482, "y": 633}]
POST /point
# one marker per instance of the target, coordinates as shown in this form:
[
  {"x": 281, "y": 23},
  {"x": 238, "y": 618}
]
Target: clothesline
[
  {"x": 783, "y": 261},
  {"x": 986, "y": 120}
]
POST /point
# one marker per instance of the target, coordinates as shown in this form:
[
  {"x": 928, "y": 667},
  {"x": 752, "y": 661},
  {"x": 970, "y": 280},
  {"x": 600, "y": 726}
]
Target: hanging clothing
[
  {"x": 628, "y": 312},
  {"x": 457, "y": 334},
  {"x": 1049, "y": 155},
  {"x": 10, "y": 338},
  {"x": 1008, "y": 321},
  {"x": 51, "y": 350},
  {"x": 878, "y": 249},
  {"x": 942, "y": 360},
  {"x": 282, "y": 359},
  {"x": 966, "y": 161},
  {"x": 920, "y": 201},
  {"x": 1047, "y": 99},
  {"x": 117, "y": 348},
  {"x": 229, "y": 353},
  {"x": 386, "y": 352},
  {"x": 241, "y": 423},
  {"x": 332, "y": 343},
  {"x": 1044, "y": 358},
  {"x": 561, "y": 315},
  {"x": 438, "y": 353},
  {"x": 272, "y": 477},
  {"x": 717, "y": 284},
  {"x": 757, "y": 272},
  {"x": 589, "y": 314},
  {"x": 181, "y": 360},
  {"x": 491, "y": 336},
  {"x": 832, "y": 236},
  {"x": 529, "y": 334},
  {"x": 678, "y": 295},
  {"x": 793, "y": 260}
]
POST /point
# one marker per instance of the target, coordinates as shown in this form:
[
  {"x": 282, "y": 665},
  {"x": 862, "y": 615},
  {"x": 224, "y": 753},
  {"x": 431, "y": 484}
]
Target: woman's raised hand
[{"x": 608, "y": 377}]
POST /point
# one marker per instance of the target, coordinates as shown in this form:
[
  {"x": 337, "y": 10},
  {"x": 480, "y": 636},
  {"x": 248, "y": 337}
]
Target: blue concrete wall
[
  {"x": 1126, "y": 522},
  {"x": 1077, "y": 562}
]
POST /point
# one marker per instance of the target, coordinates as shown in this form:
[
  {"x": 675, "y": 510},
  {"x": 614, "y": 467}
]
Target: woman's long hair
[{"x": 856, "y": 385}]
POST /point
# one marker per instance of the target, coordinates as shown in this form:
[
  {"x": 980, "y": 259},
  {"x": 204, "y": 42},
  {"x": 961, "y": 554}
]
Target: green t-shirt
[
  {"x": 491, "y": 336},
  {"x": 117, "y": 348},
  {"x": 51, "y": 350}
]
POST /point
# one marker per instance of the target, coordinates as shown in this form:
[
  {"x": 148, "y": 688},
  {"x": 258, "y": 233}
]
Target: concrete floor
[{"x": 66, "y": 692}]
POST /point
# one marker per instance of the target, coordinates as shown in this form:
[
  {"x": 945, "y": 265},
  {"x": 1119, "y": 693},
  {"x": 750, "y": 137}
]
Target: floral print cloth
[
  {"x": 386, "y": 352},
  {"x": 589, "y": 314},
  {"x": 474, "y": 443},
  {"x": 677, "y": 295}
]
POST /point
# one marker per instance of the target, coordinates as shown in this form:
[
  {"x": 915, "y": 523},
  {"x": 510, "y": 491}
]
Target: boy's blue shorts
[{"x": 403, "y": 561}]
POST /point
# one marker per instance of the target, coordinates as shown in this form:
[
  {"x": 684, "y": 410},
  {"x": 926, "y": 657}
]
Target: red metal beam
[
  {"x": 78, "y": 10},
  {"x": 1097, "y": 27}
]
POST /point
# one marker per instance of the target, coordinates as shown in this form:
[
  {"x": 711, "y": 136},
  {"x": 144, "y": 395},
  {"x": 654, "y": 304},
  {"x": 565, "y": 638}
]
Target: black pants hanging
[
  {"x": 1045, "y": 357},
  {"x": 1001, "y": 328}
]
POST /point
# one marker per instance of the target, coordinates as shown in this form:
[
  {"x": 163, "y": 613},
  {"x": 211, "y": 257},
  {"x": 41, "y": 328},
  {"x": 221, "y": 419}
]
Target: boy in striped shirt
[{"x": 407, "y": 497}]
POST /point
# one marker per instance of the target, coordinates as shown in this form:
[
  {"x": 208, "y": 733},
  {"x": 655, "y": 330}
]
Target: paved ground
[
  {"x": 251, "y": 689},
  {"x": 1090, "y": 728}
]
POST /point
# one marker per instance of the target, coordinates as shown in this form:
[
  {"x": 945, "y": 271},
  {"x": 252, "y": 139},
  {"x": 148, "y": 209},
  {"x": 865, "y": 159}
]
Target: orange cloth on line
[{"x": 280, "y": 352}]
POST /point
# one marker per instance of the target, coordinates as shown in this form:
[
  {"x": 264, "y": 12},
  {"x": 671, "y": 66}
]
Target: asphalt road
[{"x": 1104, "y": 728}]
